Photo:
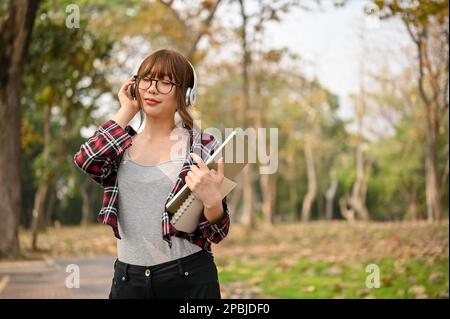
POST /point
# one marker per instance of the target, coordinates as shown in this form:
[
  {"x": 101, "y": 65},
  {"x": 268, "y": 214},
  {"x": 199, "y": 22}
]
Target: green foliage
[
  {"x": 65, "y": 71},
  {"x": 416, "y": 12}
]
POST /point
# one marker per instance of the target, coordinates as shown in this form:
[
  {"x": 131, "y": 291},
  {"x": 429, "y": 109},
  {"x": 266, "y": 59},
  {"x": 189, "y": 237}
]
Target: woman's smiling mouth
[{"x": 151, "y": 101}]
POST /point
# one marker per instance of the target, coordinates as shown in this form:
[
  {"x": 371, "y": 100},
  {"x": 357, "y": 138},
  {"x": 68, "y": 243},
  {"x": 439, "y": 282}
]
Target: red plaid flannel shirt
[{"x": 100, "y": 156}]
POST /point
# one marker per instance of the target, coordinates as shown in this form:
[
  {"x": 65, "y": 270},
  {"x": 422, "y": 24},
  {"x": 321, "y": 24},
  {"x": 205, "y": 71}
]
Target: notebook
[{"x": 185, "y": 207}]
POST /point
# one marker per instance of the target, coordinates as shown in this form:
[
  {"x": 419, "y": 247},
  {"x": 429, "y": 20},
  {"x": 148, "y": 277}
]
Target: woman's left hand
[{"x": 205, "y": 183}]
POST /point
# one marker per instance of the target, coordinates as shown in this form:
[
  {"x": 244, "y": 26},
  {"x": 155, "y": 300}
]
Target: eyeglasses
[{"x": 162, "y": 86}]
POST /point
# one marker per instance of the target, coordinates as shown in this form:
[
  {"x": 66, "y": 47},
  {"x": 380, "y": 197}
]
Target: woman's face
[{"x": 156, "y": 103}]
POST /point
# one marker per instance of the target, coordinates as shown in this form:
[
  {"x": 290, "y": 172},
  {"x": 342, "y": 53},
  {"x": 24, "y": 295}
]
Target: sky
[
  {"x": 334, "y": 40},
  {"x": 331, "y": 41}
]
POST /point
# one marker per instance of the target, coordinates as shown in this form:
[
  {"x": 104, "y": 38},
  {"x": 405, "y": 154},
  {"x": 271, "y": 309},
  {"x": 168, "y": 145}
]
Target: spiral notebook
[{"x": 186, "y": 208}]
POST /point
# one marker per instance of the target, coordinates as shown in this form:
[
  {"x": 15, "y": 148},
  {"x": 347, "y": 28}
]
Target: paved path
[{"x": 47, "y": 279}]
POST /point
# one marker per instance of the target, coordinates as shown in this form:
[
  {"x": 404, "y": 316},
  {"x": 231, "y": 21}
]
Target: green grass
[{"x": 316, "y": 279}]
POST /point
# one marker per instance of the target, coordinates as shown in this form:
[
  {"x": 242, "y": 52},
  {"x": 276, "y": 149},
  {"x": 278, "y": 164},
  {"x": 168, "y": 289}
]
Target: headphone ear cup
[
  {"x": 192, "y": 96},
  {"x": 188, "y": 97},
  {"x": 133, "y": 91},
  {"x": 191, "y": 92}
]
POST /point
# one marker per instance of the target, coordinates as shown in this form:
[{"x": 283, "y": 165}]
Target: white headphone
[{"x": 191, "y": 93}]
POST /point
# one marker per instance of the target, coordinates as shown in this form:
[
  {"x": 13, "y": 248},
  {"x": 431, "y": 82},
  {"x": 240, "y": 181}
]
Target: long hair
[{"x": 175, "y": 65}]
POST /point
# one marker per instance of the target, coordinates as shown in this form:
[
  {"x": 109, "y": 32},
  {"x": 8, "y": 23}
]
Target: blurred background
[{"x": 358, "y": 207}]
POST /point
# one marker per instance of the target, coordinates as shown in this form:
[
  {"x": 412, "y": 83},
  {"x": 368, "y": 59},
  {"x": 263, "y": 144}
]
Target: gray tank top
[{"x": 143, "y": 190}]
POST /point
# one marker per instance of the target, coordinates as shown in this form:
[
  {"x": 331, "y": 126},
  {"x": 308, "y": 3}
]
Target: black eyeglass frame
[{"x": 139, "y": 77}]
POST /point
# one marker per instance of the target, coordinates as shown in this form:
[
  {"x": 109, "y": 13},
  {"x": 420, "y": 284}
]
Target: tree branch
[
  {"x": 168, "y": 5},
  {"x": 204, "y": 26}
]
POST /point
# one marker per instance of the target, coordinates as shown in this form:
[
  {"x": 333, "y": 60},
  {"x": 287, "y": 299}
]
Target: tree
[
  {"x": 15, "y": 28},
  {"x": 428, "y": 26},
  {"x": 65, "y": 78},
  {"x": 248, "y": 215}
]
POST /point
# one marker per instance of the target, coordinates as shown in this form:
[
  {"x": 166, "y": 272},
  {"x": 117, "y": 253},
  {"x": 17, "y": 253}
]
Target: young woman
[{"x": 155, "y": 260}]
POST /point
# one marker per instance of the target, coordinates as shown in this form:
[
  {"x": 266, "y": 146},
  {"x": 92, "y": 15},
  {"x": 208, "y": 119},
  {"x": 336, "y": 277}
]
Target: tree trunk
[
  {"x": 434, "y": 209},
  {"x": 431, "y": 91},
  {"x": 331, "y": 192},
  {"x": 38, "y": 221},
  {"x": 248, "y": 216},
  {"x": 50, "y": 206},
  {"x": 15, "y": 29},
  {"x": 312, "y": 182},
  {"x": 268, "y": 185},
  {"x": 86, "y": 212},
  {"x": 444, "y": 177},
  {"x": 346, "y": 212},
  {"x": 291, "y": 180},
  {"x": 268, "y": 188},
  {"x": 357, "y": 199},
  {"x": 248, "y": 212},
  {"x": 433, "y": 197},
  {"x": 235, "y": 198},
  {"x": 414, "y": 205},
  {"x": 267, "y": 181}
]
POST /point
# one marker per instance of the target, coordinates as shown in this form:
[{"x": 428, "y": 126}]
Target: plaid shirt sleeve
[
  {"x": 218, "y": 231},
  {"x": 96, "y": 156}
]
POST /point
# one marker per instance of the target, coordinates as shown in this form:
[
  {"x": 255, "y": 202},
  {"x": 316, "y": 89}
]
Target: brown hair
[{"x": 175, "y": 65}]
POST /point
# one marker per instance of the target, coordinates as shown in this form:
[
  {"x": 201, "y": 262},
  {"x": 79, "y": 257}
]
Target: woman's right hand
[
  {"x": 126, "y": 100},
  {"x": 128, "y": 107}
]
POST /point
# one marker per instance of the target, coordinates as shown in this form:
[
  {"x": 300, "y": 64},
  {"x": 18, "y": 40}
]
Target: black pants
[{"x": 193, "y": 276}]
